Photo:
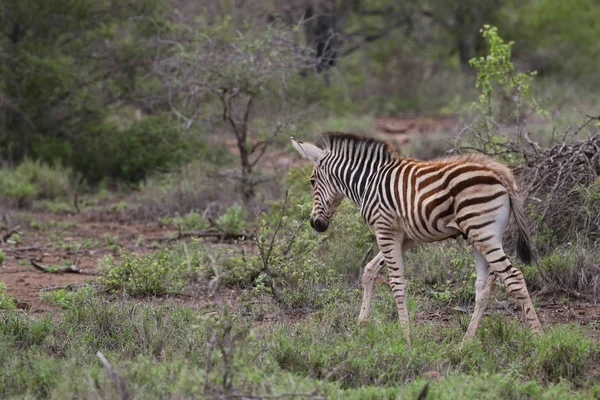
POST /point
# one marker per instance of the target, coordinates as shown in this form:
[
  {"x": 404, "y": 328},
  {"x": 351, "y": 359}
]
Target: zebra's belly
[{"x": 427, "y": 231}]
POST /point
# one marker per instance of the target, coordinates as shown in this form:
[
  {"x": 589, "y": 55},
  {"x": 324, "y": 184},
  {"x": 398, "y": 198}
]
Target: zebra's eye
[{"x": 313, "y": 182}]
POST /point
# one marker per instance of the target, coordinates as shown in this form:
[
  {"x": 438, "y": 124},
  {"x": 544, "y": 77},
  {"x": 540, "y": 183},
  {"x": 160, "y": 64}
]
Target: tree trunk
[{"x": 246, "y": 181}]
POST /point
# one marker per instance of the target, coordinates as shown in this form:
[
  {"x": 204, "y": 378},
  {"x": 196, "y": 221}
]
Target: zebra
[{"x": 406, "y": 202}]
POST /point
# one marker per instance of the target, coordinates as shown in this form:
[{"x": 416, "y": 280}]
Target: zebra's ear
[{"x": 308, "y": 150}]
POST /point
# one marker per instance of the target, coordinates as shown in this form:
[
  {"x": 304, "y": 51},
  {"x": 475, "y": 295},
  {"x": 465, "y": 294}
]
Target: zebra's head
[{"x": 326, "y": 194}]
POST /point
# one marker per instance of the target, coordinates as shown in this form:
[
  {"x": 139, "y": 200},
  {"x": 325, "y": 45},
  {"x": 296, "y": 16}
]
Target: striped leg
[
  {"x": 368, "y": 280},
  {"x": 391, "y": 247},
  {"x": 514, "y": 281},
  {"x": 484, "y": 291}
]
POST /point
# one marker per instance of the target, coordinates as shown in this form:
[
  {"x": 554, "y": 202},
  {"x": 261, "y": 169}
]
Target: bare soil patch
[{"x": 54, "y": 242}]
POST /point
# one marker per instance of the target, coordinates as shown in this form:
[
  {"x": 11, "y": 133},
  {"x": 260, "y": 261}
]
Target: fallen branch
[
  {"x": 120, "y": 384},
  {"x": 19, "y": 249},
  {"x": 423, "y": 394},
  {"x": 10, "y": 233},
  {"x": 71, "y": 287},
  {"x": 206, "y": 233},
  {"x": 67, "y": 269}
]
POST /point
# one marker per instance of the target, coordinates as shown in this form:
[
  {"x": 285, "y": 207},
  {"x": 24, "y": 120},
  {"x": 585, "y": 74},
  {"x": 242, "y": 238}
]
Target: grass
[{"x": 174, "y": 351}]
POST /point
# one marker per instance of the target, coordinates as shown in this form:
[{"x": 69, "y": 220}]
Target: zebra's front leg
[
  {"x": 390, "y": 244},
  {"x": 368, "y": 280}
]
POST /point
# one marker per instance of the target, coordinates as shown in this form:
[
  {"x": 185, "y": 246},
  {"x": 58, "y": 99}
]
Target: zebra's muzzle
[{"x": 318, "y": 225}]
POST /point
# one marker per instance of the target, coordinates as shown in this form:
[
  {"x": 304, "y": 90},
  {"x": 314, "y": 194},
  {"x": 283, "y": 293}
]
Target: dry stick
[
  {"x": 265, "y": 254},
  {"x": 120, "y": 384},
  {"x": 66, "y": 287},
  {"x": 423, "y": 394},
  {"x": 19, "y": 249},
  {"x": 10, "y": 232},
  {"x": 206, "y": 234}
]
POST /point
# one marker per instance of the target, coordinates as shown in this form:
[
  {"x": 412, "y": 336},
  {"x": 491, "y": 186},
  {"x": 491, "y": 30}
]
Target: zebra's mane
[{"x": 336, "y": 140}]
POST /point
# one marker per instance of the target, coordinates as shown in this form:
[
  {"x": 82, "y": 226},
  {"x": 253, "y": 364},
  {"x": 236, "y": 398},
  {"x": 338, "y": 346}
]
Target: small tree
[
  {"x": 233, "y": 78},
  {"x": 498, "y": 78}
]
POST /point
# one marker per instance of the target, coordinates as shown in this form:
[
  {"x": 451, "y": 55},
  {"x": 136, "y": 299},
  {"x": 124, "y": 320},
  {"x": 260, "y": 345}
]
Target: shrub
[
  {"x": 573, "y": 269},
  {"x": 192, "y": 186},
  {"x": 564, "y": 354},
  {"x": 189, "y": 222},
  {"x": 52, "y": 182},
  {"x": 233, "y": 220},
  {"x": 156, "y": 274},
  {"x": 6, "y": 302},
  {"x": 66, "y": 298},
  {"x": 33, "y": 180}
]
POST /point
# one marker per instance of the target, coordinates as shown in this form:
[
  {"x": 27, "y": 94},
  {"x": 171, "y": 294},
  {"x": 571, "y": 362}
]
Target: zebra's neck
[{"x": 353, "y": 167}]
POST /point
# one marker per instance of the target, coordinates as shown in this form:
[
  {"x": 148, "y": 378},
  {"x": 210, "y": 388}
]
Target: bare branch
[{"x": 120, "y": 384}]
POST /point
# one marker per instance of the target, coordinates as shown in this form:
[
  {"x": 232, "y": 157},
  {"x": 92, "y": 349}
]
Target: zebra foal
[{"x": 406, "y": 202}]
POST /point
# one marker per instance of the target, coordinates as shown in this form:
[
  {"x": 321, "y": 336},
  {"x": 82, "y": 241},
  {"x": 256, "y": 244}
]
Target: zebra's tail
[{"x": 524, "y": 245}]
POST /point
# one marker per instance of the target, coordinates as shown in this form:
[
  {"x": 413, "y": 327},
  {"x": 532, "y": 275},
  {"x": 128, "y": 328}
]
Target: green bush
[
  {"x": 133, "y": 152},
  {"x": 564, "y": 354},
  {"x": 33, "y": 180},
  {"x": 6, "y": 302},
  {"x": 66, "y": 298},
  {"x": 156, "y": 274},
  {"x": 52, "y": 182},
  {"x": 189, "y": 222},
  {"x": 233, "y": 220}
]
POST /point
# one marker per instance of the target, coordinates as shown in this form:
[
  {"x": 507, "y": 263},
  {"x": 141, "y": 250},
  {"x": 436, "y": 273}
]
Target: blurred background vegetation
[{"x": 118, "y": 91}]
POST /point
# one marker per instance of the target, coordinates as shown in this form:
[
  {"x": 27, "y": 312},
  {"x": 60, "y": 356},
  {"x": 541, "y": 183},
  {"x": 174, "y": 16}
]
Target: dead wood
[
  {"x": 207, "y": 233},
  {"x": 120, "y": 384},
  {"x": 423, "y": 394},
  {"x": 8, "y": 234},
  {"x": 66, "y": 269},
  {"x": 20, "y": 249},
  {"x": 70, "y": 287}
]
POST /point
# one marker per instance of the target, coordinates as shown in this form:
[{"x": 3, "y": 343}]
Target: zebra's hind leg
[
  {"x": 368, "y": 280},
  {"x": 484, "y": 291},
  {"x": 513, "y": 280}
]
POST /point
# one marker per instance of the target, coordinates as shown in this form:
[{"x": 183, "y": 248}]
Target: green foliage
[
  {"x": 564, "y": 354},
  {"x": 497, "y": 69},
  {"x": 2, "y": 257},
  {"x": 161, "y": 350},
  {"x": 6, "y": 302},
  {"x": 189, "y": 222},
  {"x": 559, "y": 36},
  {"x": 32, "y": 180},
  {"x": 62, "y": 81},
  {"x": 443, "y": 271},
  {"x": 132, "y": 152},
  {"x": 572, "y": 269},
  {"x": 325, "y": 346},
  {"x": 156, "y": 274},
  {"x": 233, "y": 220},
  {"x": 67, "y": 298}
]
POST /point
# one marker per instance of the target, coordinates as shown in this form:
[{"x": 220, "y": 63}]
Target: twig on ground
[
  {"x": 120, "y": 384},
  {"x": 65, "y": 287},
  {"x": 423, "y": 394},
  {"x": 206, "y": 233},
  {"x": 10, "y": 232},
  {"x": 66, "y": 269},
  {"x": 19, "y": 249}
]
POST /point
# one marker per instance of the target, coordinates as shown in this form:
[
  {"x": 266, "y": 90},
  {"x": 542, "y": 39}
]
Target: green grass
[{"x": 174, "y": 351}]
